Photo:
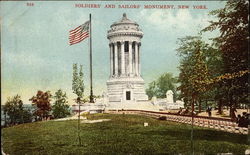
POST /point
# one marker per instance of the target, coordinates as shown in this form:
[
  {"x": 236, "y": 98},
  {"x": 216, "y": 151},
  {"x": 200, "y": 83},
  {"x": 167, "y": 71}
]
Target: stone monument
[
  {"x": 169, "y": 96},
  {"x": 168, "y": 102},
  {"x": 125, "y": 84}
]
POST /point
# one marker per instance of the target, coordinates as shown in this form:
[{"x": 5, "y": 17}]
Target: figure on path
[{"x": 209, "y": 111}]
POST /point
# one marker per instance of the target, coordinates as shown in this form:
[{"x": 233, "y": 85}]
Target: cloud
[
  {"x": 181, "y": 21},
  {"x": 24, "y": 58},
  {"x": 69, "y": 18}
]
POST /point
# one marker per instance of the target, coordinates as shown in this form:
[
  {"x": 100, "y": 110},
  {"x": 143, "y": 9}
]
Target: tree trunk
[
  {"x": 14, "y": 121},
  {"x": 220, "y": 106},
  {"x": 192, "y": 106},
  {"x": 232, "y": 113},
  {"x": 199, "y": 106},
  {"x": 5, "y": 120}
]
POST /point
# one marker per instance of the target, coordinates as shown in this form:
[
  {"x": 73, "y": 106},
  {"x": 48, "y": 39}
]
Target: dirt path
[{"x": 225, "y": 113}]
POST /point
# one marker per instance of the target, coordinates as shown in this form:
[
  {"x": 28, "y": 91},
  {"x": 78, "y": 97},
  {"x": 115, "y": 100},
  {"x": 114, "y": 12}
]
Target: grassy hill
[{"x": 124, "y": 134}]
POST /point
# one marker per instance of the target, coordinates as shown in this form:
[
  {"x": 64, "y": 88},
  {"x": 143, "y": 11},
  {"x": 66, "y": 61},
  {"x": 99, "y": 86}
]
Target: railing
[
  {"x": 209, "y": 122},
  {"x": 87, "y": 107}
]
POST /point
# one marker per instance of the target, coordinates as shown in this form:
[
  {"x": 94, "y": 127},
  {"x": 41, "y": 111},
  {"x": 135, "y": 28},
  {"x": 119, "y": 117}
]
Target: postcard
[{"x": 124, "y": 77}]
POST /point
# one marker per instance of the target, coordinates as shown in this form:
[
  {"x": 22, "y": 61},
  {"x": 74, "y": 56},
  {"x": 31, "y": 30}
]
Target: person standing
[{"x": 209, "y": 111}]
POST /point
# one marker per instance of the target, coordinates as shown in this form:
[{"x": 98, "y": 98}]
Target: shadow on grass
[{"x": 199, "y": 134}]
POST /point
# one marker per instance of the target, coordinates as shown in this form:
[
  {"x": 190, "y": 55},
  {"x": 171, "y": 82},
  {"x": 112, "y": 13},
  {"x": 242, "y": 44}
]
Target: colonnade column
[
  {"x": 139, "y": 63},
  {"x": 136, "y": 59},
  {"x": 116, "y": 59},
  {"x": 122, "y": 59},
  {"x": 130, "y": 58},
  {"x": 111, "y": 59}
]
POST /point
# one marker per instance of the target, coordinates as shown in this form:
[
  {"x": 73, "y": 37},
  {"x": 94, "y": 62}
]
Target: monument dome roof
[
  {"x": 124, "y": 20},
  {"x": 124, "y": 27}
]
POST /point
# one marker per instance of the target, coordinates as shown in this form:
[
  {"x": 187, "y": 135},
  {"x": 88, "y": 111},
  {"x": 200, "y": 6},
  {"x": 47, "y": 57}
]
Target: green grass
[{"x": 124, "y": 134}]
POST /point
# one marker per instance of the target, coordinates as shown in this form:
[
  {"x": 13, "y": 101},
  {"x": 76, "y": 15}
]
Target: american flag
[{"x": 79, "y": 34}]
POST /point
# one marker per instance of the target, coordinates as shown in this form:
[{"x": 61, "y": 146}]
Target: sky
[{"x": 35, "y": 54}]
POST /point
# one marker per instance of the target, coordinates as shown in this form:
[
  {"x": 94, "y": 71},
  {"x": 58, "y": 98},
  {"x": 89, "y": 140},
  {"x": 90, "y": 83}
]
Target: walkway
[{"x": 202, "y": 121}]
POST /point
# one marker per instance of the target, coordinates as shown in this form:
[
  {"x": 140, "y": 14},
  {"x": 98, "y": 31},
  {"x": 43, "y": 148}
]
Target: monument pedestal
[{"x": 126, "y": 90}]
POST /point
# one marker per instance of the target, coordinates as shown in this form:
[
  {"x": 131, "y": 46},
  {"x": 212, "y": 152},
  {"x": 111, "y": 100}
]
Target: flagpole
[{"x": 91, "y": 100}]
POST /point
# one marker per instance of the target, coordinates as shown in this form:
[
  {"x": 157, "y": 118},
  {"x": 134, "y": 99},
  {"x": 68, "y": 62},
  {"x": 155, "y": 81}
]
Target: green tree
[
  {"x": 215, "y": 66},
  {"x": 77, "y": 82},
  {"x": 233, "y": 43},
  {"x": 78, "y": 89},
  {"x": 193, "y": 72},
  {"x": 27, "y": 115},
  {"x": 60, "y": 109},
  {"x": 13, "y": 108},
  {"x": 193, "y": 69},
  {"x": 42, "y": 102},
  {"x": 16, "y": 111},
  {"x": 159, "y": 87},
  {"x": 152, "y": 89}
]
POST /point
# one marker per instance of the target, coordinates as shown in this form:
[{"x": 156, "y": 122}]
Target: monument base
[
  {"x": 146, "y": 105},
  {"x": 126, "y": 90}
]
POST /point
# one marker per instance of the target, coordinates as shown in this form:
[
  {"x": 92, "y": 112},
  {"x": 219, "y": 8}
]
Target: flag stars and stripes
[{"x": 79, "y": 34}]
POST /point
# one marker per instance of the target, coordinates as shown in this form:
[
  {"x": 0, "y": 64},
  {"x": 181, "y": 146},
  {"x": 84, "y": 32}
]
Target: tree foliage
[
  {"x": 77, "y": 82},
  {"x": 42, "y": 102},
  {"x": 27, "y": 115},
  {"x": 193, "y": 68},
  {"x": 215, "y": 64},
  {"x": 233, "y": 43},
  {"x": 60, "y": 109},
  {"x": 15, "y": 110},
  {"x": 218, "y": 71},
  {"x": 159, "y": 87}
]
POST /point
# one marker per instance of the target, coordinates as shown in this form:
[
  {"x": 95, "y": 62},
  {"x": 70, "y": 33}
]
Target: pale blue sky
[{"x": 36, "y": 54}]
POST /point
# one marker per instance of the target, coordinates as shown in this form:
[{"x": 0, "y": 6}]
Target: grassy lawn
[{"x": 124, "y": 134}]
